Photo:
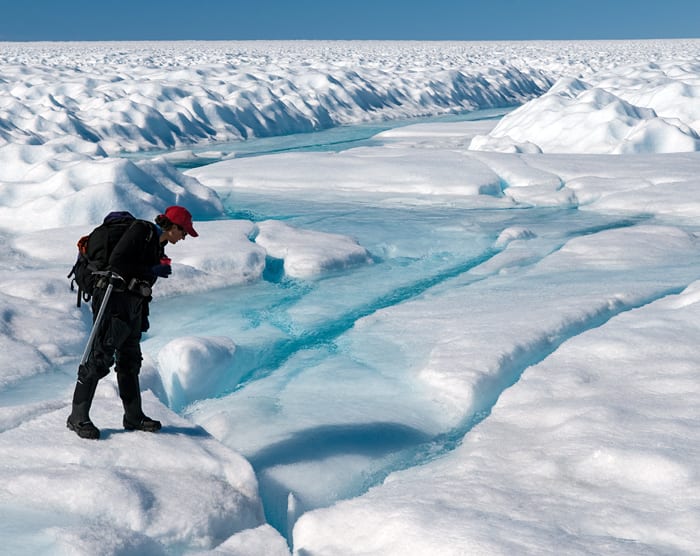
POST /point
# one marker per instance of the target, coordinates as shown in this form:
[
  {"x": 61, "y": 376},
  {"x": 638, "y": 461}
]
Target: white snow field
[{"x": 444, "y": 301}]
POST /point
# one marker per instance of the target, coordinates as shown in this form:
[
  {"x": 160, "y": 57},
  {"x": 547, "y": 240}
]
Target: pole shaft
[{"x": 96, "y": 324}]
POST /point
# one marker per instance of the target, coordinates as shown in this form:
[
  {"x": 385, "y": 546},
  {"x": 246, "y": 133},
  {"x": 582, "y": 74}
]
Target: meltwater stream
[
  {"x": 323, "y": 407},
  {"x": 297, "y": 343}
]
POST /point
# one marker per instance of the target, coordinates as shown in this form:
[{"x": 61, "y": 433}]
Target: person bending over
[{"x": 139, "y": 258}]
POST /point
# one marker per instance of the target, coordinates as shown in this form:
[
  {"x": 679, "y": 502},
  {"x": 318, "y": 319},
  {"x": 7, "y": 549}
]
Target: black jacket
[{"x": 138, "y": 250}]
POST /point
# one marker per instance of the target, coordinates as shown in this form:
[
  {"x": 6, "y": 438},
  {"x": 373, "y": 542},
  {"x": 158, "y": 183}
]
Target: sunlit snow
[{"x": 454, "y": 333}]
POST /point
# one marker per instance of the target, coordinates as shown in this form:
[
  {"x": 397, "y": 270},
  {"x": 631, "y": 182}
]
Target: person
[{"x": 139, "y": 259}]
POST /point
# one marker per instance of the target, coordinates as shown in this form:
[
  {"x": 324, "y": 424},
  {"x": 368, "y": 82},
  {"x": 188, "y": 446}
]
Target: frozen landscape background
[{"x": 444, "y": 298}]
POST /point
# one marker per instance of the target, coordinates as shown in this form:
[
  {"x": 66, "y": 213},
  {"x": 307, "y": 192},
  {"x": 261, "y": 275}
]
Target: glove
[{"x": 162, "y": 270}]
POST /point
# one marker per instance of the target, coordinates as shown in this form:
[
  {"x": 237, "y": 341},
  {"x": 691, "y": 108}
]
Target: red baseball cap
[{"x": 182, "y": 217}]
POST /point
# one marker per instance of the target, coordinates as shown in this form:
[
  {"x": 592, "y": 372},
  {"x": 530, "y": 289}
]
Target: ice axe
[{"x": 111, "y": 278}]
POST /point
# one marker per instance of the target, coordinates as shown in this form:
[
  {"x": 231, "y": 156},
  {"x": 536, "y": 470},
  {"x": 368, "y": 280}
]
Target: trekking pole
[{"x": 112, "y": 278}]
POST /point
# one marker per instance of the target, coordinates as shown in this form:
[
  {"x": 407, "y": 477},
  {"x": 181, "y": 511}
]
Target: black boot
[
  {"x": 143, "y": 424},
  {"x": 79, "y": 419},
  {"x": 130, "y": 393}
]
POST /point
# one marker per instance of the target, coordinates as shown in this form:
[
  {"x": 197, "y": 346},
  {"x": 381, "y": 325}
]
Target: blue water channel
[{"x": 283, "y": 326}]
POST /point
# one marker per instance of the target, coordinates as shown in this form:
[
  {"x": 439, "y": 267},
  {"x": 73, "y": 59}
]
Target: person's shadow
[
  {"x": 194, "y": 431},
  {"x": 369, "y": 439}
]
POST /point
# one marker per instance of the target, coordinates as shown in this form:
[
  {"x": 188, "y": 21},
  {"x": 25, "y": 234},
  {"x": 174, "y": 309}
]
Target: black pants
[{"x": 118, "y": 339}]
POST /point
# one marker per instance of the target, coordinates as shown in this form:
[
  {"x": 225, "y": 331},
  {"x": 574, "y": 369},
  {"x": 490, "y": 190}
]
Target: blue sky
[{"x": 353, "y": 19}]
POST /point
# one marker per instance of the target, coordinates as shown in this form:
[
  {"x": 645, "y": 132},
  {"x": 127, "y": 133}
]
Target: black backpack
[{"x": 94, "y": 251}]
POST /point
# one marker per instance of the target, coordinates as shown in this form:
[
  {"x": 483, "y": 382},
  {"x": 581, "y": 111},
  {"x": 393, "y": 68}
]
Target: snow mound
[
  {"x": 50, "y": 186},
  {"x": 223, "y": 255},
  {"x": 70, "y": 486},
  {"x": 194, "y": 368},
  {"x": 390, "y": 171},
  {"x": 513, "y": 233},
  {"x": 644, "y": 108},
  {"x": 307, "y": 253}
]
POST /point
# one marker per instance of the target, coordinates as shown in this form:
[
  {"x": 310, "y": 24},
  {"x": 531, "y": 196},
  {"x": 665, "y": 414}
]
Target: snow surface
[
  {"x": 643, "y": 108},
  {"x": 469, "y": 337}
]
